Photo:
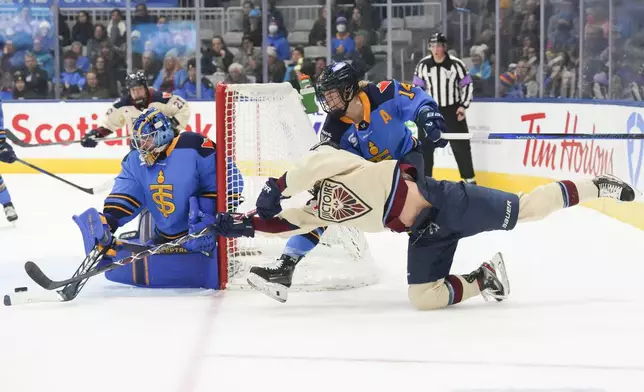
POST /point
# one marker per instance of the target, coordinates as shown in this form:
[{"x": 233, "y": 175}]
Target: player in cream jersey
[
  {"x": 128, "y": 108},
  {"x": 351, "y": 191}
]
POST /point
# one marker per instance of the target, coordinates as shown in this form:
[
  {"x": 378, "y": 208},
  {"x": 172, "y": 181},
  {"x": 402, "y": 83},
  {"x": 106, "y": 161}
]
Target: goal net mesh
[{"x": 265, "y": 130}]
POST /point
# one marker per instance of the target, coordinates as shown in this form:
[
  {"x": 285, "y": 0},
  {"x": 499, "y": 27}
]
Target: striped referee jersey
[{"x": 448, "y": 82}]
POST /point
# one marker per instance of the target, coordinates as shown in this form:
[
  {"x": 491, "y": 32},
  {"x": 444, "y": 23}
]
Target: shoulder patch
[
  {"x": 382, "y": 86},
  {"x": 380, "y": 93},
  {"x": 157, "y": 96},
  {"x": 197, "y": 142}
]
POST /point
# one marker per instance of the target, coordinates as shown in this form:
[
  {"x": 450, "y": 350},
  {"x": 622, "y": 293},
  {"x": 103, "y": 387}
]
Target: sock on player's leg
[
  {"x": 546, "y": 199},
  {"x": 442, "y": 293}
]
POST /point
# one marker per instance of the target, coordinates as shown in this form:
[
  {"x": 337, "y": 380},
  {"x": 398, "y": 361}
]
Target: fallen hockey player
[{"x": 372, "y": 197}]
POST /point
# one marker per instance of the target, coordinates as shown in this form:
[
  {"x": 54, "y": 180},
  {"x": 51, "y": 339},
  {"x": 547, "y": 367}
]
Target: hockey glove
[
  {"x": 89, "y": 140},
  {"x": 197, "y": 221},
  {"x": 227, "y": 226},
  {"x": 268, "y": 202},
  {"x": 94, "y": 229},
  {"x": 7, "y": 155},
  {"x": 432, "y": 125}
]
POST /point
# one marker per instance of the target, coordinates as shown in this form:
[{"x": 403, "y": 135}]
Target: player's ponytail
[{"x": 363, "y": 84}]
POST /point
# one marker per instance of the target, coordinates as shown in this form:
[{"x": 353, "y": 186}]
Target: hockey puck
[
  {"x": 7, "y": 300},
  {"x": 19, "y": 289}
]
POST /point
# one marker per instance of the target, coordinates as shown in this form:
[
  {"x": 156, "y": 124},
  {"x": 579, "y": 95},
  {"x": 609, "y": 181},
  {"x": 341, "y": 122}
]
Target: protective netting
[{"x": 266, "y": 130}]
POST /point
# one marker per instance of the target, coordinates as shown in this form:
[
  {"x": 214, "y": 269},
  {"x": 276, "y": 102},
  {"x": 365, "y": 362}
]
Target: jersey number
[
  {"x": 179, "y": 103},
  {"x": 406, "y": 90}
]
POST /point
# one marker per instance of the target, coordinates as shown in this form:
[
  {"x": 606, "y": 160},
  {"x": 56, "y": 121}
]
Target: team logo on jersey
[
  {"x": 382, "y": 86},
  {"x": 337, "y": 203},
  {"x": 373, "y": 149},
  {"x": 208, "y": 144},
  {"x": 162, "y": 196}
]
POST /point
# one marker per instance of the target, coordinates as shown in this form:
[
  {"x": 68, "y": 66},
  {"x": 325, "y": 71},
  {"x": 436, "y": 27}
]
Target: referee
[{"x": 445, "y": 79}]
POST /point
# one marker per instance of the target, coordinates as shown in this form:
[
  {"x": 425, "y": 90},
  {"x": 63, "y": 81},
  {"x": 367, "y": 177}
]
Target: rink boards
[{"x": 513, "y": 165}]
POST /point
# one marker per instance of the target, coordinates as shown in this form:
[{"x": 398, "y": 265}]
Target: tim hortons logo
[
  {"x": 337, "y": 203},
  {"x": 592, "y": 158}
]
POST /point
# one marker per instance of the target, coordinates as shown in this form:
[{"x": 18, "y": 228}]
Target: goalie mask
[
  {"x": 152, "y": 134},
  {"x": 335, "y": 88}
]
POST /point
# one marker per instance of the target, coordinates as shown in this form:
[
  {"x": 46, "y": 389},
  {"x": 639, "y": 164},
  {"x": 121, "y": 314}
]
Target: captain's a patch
[{"x": 337, "y": 203}]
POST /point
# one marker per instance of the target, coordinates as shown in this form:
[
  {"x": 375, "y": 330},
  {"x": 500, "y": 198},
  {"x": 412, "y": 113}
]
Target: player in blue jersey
[
  {"x": 7, "y": 155},
  {"x": 368, "y": 120},
  {"x": 174, "y": 177}
]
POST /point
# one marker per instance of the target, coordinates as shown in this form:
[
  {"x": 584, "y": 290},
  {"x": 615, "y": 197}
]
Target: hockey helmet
[
  {"x": 335, "y": 88},
  {"x": 153, "y": 132},
  {"x": 438, "y": 38},
  {"x": 136, "y": 79}
]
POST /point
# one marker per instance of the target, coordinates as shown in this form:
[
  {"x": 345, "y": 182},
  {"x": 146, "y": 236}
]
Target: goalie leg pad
[{"x": 169, "y": 270}]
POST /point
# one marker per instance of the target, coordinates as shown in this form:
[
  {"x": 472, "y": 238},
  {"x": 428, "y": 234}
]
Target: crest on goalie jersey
[{"x": 337, "y": 203}]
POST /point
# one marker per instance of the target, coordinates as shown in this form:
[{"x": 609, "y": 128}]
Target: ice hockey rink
[{"x": 574, "y": 320}]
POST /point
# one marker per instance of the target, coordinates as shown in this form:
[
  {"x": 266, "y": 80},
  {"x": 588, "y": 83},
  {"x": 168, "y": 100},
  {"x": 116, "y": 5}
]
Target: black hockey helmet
[
  {"x": 136, "y": 79},
  {"x": 438, "y": 38},
  {"x": 335, "y": 88}
]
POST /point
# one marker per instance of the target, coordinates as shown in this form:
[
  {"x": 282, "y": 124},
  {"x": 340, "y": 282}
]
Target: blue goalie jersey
[
  {"x": 187, "y": 168},
  {"x": 382, "y": 134}
]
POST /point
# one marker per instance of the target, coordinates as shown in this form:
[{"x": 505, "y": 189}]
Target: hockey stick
[
  {"x": 15, "y": 140},
  {"x": 540, "y": 136},
  {"x": 43, "y": 171}
]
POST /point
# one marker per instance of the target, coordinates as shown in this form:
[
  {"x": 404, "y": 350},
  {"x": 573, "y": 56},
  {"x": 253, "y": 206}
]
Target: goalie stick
[{"x": 16, "y": 140}]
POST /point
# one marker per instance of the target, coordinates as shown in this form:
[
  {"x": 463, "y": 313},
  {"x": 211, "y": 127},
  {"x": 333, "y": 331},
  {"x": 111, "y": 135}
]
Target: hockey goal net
[{"x": 263, "y": 129}]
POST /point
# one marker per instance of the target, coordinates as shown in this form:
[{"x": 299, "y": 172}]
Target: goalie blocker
[{"x": 437, "y": 214}]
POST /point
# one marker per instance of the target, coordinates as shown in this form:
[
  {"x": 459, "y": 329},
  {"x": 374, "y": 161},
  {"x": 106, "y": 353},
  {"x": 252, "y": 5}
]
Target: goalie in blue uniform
[
  {"x": 368, "y": 120},
  {"x": 173, "y": 177}
]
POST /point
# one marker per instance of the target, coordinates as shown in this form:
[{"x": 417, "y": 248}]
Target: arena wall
[{"x": 513, "y": 165}]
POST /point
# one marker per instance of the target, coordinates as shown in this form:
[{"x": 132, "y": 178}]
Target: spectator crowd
[
  {"x": 93, "y": 54},
  {"x": 609, "y": 54}
]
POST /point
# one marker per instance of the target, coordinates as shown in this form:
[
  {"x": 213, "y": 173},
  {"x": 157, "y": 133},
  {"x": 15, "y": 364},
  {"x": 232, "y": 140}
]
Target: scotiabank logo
[{"x": 32, "y": 129}]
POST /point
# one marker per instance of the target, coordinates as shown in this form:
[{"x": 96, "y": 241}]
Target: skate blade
[
  {"x": 499, "y": 266},
  {"x": 274, "y": 290}
]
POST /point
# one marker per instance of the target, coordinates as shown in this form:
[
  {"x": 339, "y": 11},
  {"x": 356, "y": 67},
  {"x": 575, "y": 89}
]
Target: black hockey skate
[
  {"x": 10, "y": 212},
  {"x": 275, "y": 279},
  {"x": 613, "y": 187},
  {"x": 492, "y": 279}
]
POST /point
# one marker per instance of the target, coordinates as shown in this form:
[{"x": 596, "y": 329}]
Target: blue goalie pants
[{"x": 171, "y": 270}]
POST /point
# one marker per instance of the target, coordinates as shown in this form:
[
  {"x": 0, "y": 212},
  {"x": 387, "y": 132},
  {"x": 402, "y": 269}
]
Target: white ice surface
[{"x": 574, "y": 321}]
